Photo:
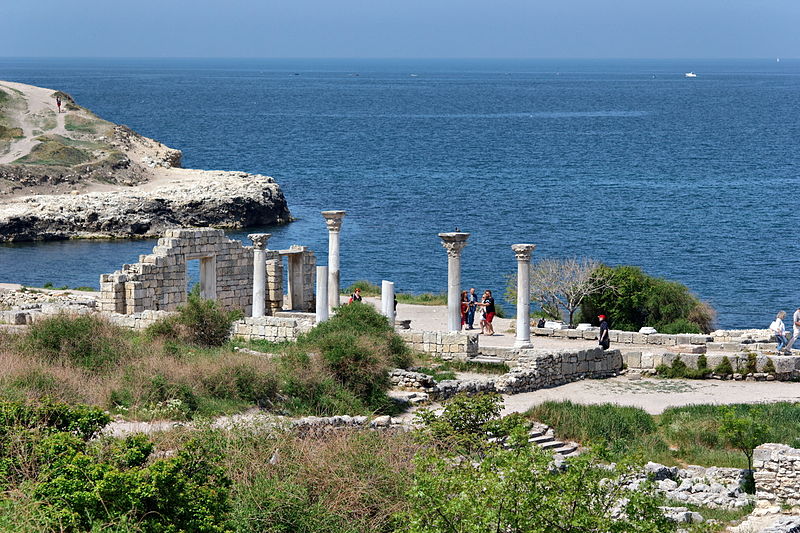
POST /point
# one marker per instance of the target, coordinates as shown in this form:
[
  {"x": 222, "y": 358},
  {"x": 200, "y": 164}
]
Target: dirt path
[{"x": 41, "y": 105}]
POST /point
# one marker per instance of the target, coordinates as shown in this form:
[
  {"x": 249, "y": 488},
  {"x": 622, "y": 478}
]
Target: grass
[
  {"x": 49, "y": 285},
  {"x": 372, "y": 290},
  {"x": 50, "y": 152},
  {"x": 443, "y": 370},
  {"x": 679, "y": 436},
  {"x": 81, "y": 124},
  {"x": 338, "y": 368}
]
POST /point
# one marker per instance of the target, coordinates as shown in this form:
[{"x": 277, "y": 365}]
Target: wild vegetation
[
  {"x": 707, "y": 435},
  {"x": 184, "y": 367}
]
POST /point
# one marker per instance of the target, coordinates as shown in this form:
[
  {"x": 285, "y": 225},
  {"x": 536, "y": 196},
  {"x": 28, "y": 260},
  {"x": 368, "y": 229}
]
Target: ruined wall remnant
[{"x": 159, "y": 281}]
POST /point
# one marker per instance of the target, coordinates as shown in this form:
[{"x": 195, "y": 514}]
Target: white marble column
[
  {"x": 259, "y": 271},
  {"x": 333, "y": 219},
  {"x": 322, "y": 294},
  {"x": 523, "y": 254},
  {"x": 454, "y": 242},
  {"x": 387, "y": 300}
]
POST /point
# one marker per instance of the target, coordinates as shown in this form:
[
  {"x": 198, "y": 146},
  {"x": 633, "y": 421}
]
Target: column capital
[
  {"x": 454, "y": 242},
  {"x": 523, "y": 252},
  {"x": 259, "y": 240},
  {"x": 333, "y": 219}
]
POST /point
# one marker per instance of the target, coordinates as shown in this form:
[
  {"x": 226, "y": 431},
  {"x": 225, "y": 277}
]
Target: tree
[
  {"x": 744, "y": 433},
  {"x": 565, "y": 283},
  {"x": 635, "y": 299}
]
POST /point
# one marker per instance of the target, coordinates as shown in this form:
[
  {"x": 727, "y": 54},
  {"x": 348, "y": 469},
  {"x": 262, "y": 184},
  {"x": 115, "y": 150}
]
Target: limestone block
[
  {"x": 542, "y": 332},
  {"x": 647, "y": 360},
  {"x": 638, "y": 338},
  {"x": 632, "y": 359},
  {"x": 573, "y": 333},
  {"x": 625, "y": 337},
  {"x": 701, "y": 339},
  {"x": 591, "y": 335}
]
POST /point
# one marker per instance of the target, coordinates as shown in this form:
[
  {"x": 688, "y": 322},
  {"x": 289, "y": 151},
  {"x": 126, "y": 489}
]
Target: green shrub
[
  {"x": 679, "y": 369},
  {"x": 702, "y": 363},
  {"x": 638, "y": 300},
  {"x": 242, "y": 382},
  {"x": 769, "y": 366},
  {"x": 751, "y": 363},
  {"x": 84, "y": 340},
  {"x": 724, "y": 368},
  {"x": 681, "y": 325},
  {"x": 199, "y": 321}
]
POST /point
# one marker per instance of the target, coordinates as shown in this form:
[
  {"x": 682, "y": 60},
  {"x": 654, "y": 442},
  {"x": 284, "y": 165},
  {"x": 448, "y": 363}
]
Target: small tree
[
  {"x": 564, "y": 283},
  {"x": 743, "y": 433}
]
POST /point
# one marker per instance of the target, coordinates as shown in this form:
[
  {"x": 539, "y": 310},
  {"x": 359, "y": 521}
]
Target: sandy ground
[{"x": 40, "y": 101}]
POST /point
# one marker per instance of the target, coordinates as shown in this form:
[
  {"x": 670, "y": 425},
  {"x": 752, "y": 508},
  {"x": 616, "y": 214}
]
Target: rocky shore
[{"x": 74, "y": 175}]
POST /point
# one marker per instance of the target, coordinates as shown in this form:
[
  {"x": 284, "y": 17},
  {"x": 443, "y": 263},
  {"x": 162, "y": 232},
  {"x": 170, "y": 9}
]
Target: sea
[{"x": 624, "y": 161}]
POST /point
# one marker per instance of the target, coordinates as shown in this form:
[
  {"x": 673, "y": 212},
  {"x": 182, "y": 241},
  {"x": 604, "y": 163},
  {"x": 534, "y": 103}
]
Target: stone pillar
[
  {"x": 259, "y": 271},
  {"x": 387, "y": 300},
  {"x": 322, "y": 294},
  {"x": 523, "y": 254},
  {"x": 333, "y": 219},
  {"x": 454, "y": 243}
]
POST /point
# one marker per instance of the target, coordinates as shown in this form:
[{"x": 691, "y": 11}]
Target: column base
[{"x": 519, "y": 344}]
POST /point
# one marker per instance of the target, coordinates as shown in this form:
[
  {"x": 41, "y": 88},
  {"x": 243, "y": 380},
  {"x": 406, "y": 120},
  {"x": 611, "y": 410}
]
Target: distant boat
[
  {"x": 413, "y": 75},
  {"x": 777, "y": 59},
  {"x": 690, "y": 75}
]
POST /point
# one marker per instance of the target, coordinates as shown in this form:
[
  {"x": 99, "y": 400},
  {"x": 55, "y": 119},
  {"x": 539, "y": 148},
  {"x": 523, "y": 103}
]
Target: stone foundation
[
  {"x": 442, "y": 344},
  {"x": 272, "y": 328},
  {"x": 787, "y": 367},
  {"x": 777, "y": 475}
]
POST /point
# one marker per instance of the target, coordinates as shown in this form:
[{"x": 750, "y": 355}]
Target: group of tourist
[
  {"x": 778, "y": 328},
  {"x": 483, "y": 307}
]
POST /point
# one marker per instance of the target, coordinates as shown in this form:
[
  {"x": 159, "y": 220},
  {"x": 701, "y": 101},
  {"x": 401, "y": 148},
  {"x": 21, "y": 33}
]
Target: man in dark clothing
[{"x": 604, "y": 341}]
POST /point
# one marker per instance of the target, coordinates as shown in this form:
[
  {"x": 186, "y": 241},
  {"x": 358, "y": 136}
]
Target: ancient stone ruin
[{"x": 159, "y": 281}]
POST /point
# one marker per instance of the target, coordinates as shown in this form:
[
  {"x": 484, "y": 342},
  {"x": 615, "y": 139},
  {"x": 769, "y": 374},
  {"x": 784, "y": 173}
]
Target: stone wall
[
  {"x": 445, "y": 345},
  {"x": 625, "y": 337},
  {"x": 273, "y": 328},
  {"x": 786, "y": 367},
  {"x": 137, "y": 321},
  {"x": 777, "y": 475},
  {"x": 159, "y": 282}
]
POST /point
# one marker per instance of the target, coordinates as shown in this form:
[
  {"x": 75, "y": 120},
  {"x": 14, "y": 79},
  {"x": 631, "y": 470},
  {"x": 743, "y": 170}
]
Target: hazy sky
[{"x": 401, "y": 28}]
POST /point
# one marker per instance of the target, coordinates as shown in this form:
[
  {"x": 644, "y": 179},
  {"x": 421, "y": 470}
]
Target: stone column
[
  {"x": 387, "y": 300},
  {"x": 454, "y": 243},
  {"x": 523, "y": 254},
  {"x": 259, "y": 271},
  {"x": 334, "y": 221},
  {"x": 322, "y": 294}
]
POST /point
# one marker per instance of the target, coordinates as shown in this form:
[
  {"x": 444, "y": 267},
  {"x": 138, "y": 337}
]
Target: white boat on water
[{"x": 690, "y": 75}]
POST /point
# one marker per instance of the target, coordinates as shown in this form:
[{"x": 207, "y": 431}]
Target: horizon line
[{"x": 400, "y": 58}]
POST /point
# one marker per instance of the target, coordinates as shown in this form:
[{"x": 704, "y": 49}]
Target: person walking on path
[
  {"x": 795, "y": 330},
  {"x": 58, "y": 103},
  {"x": 489, "y": 312},
  {"x": 603, "y": 339},
  {"x": 778, "y": 328},
  {"x": 472, "y": 299}
]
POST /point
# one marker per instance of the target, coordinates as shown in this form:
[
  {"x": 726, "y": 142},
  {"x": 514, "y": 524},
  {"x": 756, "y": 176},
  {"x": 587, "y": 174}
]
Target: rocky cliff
[{"x": 66, "y": 173}]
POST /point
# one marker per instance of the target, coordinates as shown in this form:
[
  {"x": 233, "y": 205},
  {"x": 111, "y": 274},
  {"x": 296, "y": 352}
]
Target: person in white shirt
[
  {"x": 778, "y": 328},
  {"x": 795, "y": 330}
]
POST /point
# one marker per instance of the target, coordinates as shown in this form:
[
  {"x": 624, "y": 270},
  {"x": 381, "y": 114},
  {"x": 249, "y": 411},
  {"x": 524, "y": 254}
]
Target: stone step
[
  {"x": 566, "y": 449},
  {"x": 487, "y": 359},
  {"x": 552, "y": 445},
  {"x": 540, "y": 439}
]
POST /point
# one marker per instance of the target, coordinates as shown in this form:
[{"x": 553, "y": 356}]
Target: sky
[{"x": 401, "y": 28}]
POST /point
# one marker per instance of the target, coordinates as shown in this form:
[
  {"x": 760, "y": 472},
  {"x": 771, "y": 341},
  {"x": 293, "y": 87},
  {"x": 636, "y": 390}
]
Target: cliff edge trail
[{"x": 71, "y": 174}]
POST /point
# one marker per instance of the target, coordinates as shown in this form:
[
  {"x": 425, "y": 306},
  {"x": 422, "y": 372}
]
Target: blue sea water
[{"x": 625, "y": 161}]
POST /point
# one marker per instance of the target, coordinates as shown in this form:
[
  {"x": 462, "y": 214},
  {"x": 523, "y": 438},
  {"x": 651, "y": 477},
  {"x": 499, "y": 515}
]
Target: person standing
[
  {"x": 489, "y": 311},
  {"x": 795, "y": 330},
  {"x": 603, "y": 339},
  {"x": 58, "y": 103},
  {"x": 778, "y": 328},
  {"x": 356, "y": 296},
  {"x": 472, "y": 299},
  {"x": 464, "y": 308}
]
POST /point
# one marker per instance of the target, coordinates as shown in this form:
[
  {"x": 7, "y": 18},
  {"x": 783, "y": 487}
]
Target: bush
[
  {"x": 769, "y": 366},
  {"x": 724, "y": 368},
  {"x": 682, "y": 325},
  {"x": 752, "y": 367},
  {"x": 638, "y": 300},
  {"x": 86, "y": 341},
  {"x": 242, "y": 382},
  {"x": 199, "y": 321},
  {"x": 679, "y": 369}
]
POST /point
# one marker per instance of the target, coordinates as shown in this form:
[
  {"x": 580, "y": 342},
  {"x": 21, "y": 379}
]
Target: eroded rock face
[
  {"x": 67, "y": 173},
  {"x": 198, "y": 198}
]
